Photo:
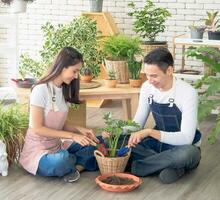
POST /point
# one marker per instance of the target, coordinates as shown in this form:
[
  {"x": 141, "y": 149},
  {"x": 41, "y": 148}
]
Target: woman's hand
[
  {"x": 136, "y": 137},
  {"x": 106, "y": 134},
  {"x": 89, "y": 133},
  {"x": 83, "y": 140}
]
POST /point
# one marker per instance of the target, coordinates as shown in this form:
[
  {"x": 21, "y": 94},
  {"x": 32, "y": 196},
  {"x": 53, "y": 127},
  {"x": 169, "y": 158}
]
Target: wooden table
[{"x": 129, "y": 96}]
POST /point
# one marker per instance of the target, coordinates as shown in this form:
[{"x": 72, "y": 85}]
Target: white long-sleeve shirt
[{"x": 186, "y": 99}]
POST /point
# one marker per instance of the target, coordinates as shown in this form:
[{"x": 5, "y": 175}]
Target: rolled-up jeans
[
  {"x": 150, "y": 157},
  {"x": 64, "y": 161}
]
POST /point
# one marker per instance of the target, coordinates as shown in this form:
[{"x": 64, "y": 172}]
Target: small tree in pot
[{"x": 149, "y": 22}]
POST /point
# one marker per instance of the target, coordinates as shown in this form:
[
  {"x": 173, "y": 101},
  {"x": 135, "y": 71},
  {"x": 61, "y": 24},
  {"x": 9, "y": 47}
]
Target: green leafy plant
[
  {"x": 134, "y": 68},
  {"x": 115, "y": 127},
  {"x": 121, "y": 47},
  {"x": 149, "y": 20},
  {"x": 81, "y": 33},
  {"x": 111, "y": 75},
  {"x": 13, "y": 124},
  {"x": 28, "y": 66},
  {"x": 208, "y": 101},
  {"x": 212, "y": 22}
]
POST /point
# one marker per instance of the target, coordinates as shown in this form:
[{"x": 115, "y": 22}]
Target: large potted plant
[
  {"x": 113, "y": 156},
  {"x": 149, "y": 21},
  {"x": 210, "y": 86},
  {"x": 81, "y": 33},
  {"x": 118, "y": 49},
  {"x": 17, "y": 6},
  {"x": 213, "y": 26},
  {"x": 13, "y": 124}
]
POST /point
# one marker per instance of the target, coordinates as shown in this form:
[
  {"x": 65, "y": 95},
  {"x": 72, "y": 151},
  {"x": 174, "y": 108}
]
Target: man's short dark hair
[{"x": 160, "y": 57}]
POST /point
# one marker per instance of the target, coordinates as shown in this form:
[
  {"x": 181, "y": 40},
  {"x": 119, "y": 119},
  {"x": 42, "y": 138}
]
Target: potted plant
[
  {"x": 113, "y": 160},
  {"x": 149, "y": 22},
  {"x": 197, "y": 32},
  {"x": 86, "y": 74},
  {"x": 13, "y": 124},
  {"x": 17, "y": 6},
  {"x": 213, "y": 26},
  {"x": 134, "y": 68},
  {"x": 210, "y": 86},
  {"x": 111, "y": 81},
  {"x": 95, "y": 5},
  {"x": 81, "y": 33},
  {"x": 118, "y": 49}
]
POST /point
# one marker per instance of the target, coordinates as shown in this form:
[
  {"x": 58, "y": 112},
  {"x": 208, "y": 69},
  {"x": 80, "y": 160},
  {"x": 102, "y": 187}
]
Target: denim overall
[{"x": 152, "y": 156}]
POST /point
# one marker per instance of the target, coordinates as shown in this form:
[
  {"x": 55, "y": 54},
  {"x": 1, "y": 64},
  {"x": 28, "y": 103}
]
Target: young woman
[{"x": 53, "y": 147}]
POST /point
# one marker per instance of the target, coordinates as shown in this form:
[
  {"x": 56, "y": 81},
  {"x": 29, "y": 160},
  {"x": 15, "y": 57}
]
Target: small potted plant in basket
[
  {"x": 111, "y": 82},
  {"x": 112, "y": 155}
]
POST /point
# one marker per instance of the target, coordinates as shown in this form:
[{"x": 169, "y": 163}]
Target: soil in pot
[{"x": 116, "y": 180}]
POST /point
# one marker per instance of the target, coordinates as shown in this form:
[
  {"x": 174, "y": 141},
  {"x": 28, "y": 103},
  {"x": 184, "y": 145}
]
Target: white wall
[{"x": 184, "y": 13}]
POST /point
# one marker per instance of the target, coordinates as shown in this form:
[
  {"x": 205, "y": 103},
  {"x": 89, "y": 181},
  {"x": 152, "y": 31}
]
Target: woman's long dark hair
[{"x": 68, "y": 56}]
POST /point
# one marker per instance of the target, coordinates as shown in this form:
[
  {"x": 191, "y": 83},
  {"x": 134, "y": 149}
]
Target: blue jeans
[
  {"x": 64, "y": 161},
  {"x": 146, "y": 159}
]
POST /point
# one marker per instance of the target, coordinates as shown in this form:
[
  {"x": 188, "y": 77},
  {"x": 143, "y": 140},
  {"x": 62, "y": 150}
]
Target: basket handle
[{"x": 98, "y": 153}]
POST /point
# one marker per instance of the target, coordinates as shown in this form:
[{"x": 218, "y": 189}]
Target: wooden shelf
[
  {"x": 107, "y": 27},
  {"x": 105, "y": 22}
]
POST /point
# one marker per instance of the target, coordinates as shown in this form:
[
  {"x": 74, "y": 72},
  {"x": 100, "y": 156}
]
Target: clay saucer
[{"x": 133, "y": 182}]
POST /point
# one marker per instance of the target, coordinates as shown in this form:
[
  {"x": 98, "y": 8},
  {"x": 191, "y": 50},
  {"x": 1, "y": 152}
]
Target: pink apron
[{"x": 36, "y": 146}]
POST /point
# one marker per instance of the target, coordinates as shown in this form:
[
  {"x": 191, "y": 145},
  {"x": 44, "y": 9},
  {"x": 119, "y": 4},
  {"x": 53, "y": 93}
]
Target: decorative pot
[
  {"x": 120, "y": 68},
  {"x": 135, "y": 82},
  {"x": 26, "y": 83},
  {"x": 18, "y": 6},
  {"x": 86, "y": 78},
  {"x": 214, "y": 35},
  {"x": 110, "y": 83},
  {"x": 95, "y": 5},
  {"x": 135, "y": 182}
]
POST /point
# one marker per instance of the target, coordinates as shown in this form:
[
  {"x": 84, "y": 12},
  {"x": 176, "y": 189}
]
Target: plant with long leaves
[{"x": 13, "y": 124}]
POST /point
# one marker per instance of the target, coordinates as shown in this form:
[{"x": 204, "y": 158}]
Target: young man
[{"x": 172, "y": 148}]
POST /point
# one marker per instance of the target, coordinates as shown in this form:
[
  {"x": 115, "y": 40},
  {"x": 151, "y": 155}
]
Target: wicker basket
[
  {"x": 120, "y": 68},
  {"x": 111, "y": 164}
]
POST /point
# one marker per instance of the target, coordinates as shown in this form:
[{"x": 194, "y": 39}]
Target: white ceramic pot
[{"x": 18, "y": 6}]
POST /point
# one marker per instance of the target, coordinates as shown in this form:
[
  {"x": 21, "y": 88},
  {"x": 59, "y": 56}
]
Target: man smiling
[{"x": 172, "y": 148}]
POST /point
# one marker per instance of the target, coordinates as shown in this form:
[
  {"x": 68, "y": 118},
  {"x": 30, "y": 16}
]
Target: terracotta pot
[
  {"x": 135, "y": 82},
  {"x": 110, "y": 83},
  {"x": 86, "y": 78},
  {"x": 118, "y": 188}
]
